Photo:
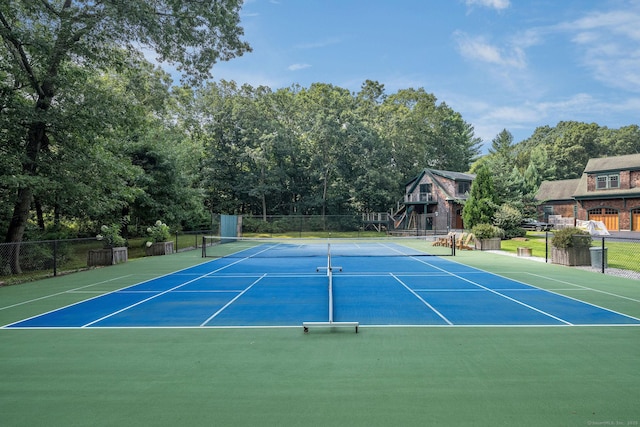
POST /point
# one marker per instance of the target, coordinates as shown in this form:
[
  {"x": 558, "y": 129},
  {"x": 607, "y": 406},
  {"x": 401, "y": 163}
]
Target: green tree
[
  {"x": 328, "y": 142},
  {"x": 507, "y": 179},
  {"x": 481, "y": 204},
  {"x": 47, "y": 41},
  {"x": 422, "y": 134}
]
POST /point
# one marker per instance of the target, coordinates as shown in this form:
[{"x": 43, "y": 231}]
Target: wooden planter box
[
  {"x": 524, "y": 252},
  {"x": 492, "y": 244},
  {"x": 161, "y": 248},
  {"x": 107, "y": 256},
  {"x": 570, "y": 256}
]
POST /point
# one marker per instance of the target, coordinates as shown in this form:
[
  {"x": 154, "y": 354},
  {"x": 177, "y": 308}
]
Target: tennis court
[
  {"x": 123, "y": 345},
  {"x": 357, "y": 283}
]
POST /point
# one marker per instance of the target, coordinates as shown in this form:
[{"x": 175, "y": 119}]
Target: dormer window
[
  {"x": 604, "y": 182},
  {"x": 463, "y": 187}
]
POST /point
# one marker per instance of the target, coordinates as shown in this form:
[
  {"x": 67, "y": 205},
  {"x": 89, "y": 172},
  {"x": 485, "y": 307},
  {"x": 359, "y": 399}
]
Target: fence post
[
  {"x": 602, "y": 261},
  {"x": 546, "y": 246},
  {"x": 55, "y": 258}
]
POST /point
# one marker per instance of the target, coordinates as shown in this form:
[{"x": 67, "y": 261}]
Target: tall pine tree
[{"x": 481, "y": 204}]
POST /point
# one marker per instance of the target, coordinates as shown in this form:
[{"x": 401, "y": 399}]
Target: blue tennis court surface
[{"x": 280, "y": 285}]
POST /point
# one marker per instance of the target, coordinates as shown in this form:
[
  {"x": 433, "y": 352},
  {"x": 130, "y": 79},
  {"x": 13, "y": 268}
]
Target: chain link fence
[
  {"x": 301, "y": 224},
  {"x": 46, "y": 257},
  {"x": 617, "y": 255},
  {"x": 613, "y": 255},
  {"x": 31, "y": 260}
]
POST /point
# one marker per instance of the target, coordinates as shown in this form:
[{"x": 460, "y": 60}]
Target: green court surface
[{"x": 525, "y": 376}]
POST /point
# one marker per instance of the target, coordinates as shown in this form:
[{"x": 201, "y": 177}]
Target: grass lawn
[
  {"x": 535, "y": 241},
  {"x": 620, "y": 254}
]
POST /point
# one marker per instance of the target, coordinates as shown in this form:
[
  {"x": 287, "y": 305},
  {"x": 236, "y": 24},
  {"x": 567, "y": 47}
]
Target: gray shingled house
[{"x": 433, "y": 200}]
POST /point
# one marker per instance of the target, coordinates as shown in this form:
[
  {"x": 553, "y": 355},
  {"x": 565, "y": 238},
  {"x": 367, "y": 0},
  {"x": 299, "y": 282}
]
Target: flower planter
[
  {"x": 107, "y": 256},
  {"x": 492, "y": 244},
  {"x": 570, "y": 256},
  {"x": 160, "y": 248}
]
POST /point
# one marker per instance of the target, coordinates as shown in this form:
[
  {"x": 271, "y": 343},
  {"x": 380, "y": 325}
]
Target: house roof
[
  {"x": 569, "y": 189},
  {"x": 557, "y": 190},
  {"x": 454, "y": 176},
  {"x": 617, "y": 163},
  {"x": 608, "y": 164}
]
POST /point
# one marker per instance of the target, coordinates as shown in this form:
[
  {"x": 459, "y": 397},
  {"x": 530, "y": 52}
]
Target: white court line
[
  {"x": 555, "y": 292},
  {"x": 479, "y": 270},
  {"x": 538, "y": 288},
  {"x": 63, "y": 292},
  {"x": 169, "y": 290},
  {"x": 496, "y": 292},
  {"x": 97, "y": 296},
  {"x": 361, "y": 327},
  {"x": 232, "y": 301},
  {"x": 584, "y": 287},
  {"x": 421, "y": 299},
  {"x": 533, "y": 289}
]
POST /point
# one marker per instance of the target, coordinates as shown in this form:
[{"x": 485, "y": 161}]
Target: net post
[
  {"x": 330, "y": 296},
  {"x": 330, "y": 322}
]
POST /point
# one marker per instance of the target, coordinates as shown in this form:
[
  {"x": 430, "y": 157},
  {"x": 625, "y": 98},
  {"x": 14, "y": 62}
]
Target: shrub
[
  {"x": 110, "y": 236},
  {"x": 487, "y": 231},
  {"x": 571, "y": 238},
  {"x": 515, "y": 232},
  {"x": 509, "y": 218},
  {"x": 158, "y": 233}
]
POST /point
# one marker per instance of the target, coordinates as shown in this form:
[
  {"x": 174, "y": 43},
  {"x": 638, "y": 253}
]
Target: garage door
[
  {"x": 635, "y": 219},
  {"x": 608, "y": 216}
]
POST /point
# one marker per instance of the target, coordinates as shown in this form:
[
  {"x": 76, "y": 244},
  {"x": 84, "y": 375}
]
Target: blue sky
[{"x": 503, "y": 64}]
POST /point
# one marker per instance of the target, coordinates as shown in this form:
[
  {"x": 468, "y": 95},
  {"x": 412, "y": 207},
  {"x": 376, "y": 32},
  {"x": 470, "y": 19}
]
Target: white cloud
[
  {"x": 608, "y": 43},
  {"x": 489, "y": 119},
  {"x": 496, "y": 4},
  {"x": 297, "y": 67},
  {"x": 478, "y": 49},
  {"x": 319, "y": 44}
]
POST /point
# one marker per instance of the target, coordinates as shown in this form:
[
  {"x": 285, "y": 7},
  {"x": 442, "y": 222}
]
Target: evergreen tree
[{"x": 481, "y": 204}]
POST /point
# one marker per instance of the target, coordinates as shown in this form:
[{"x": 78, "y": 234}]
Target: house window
[
  {"x": 425, "y": 193},
  {"x": 610, "y": 211},
  {"x": 602, "y": 211},
  {"x": 463, "y": 187},
  {"x": 604, "y": 182}
]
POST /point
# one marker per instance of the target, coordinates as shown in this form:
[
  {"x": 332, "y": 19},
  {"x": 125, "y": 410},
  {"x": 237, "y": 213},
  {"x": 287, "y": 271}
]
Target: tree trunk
[
  {"x": 325, "y": 187},
  {"x": 39, "y": 214},
  {"x": 15, "y": 233},
  {"x": 16, "y": 228},
  {"x": 264, "y": 197}
]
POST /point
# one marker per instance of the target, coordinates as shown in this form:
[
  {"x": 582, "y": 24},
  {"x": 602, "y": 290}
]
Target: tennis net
[
  {"x": 330, "y": 322},
  {"x": 217, "y": 247}
]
